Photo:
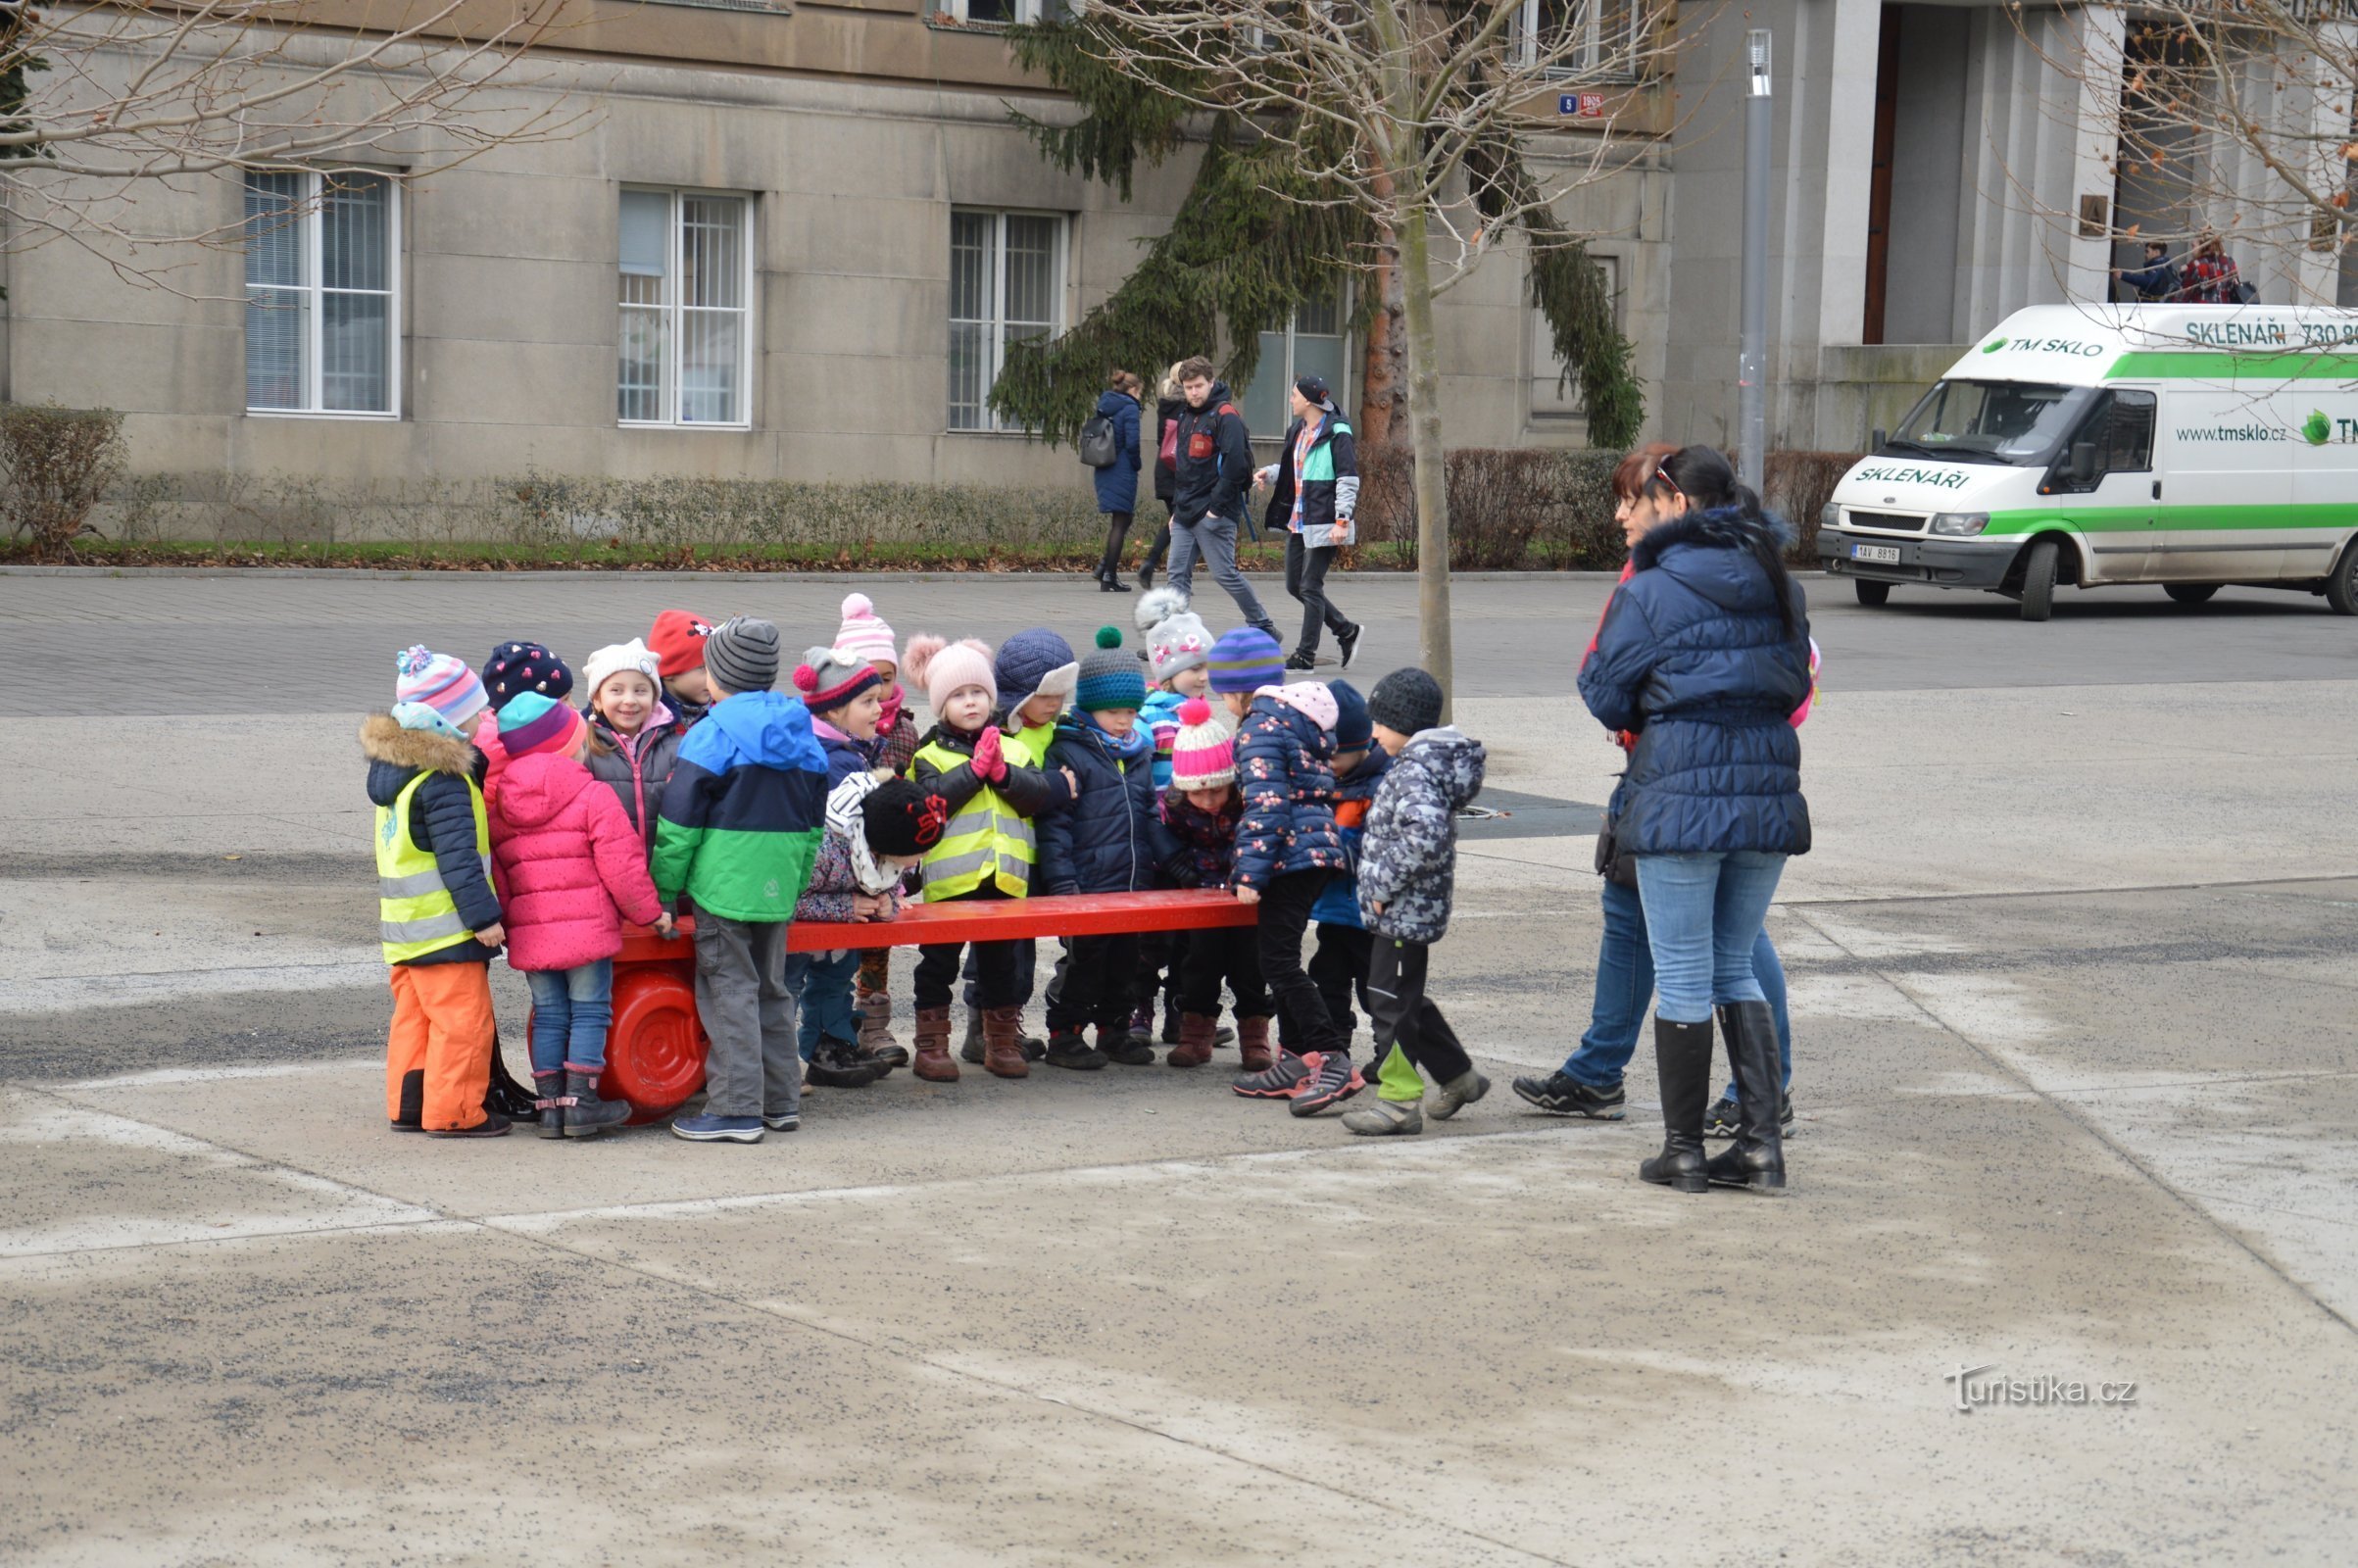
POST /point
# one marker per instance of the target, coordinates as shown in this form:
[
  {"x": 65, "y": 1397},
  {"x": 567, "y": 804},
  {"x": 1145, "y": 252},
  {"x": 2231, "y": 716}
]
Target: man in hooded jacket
[{"x": 1213, "y": 458}]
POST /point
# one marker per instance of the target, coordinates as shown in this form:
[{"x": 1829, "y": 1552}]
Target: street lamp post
[{"x": 1751, "y": 363}]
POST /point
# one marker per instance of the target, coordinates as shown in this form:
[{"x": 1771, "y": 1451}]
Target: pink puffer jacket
[{"x": 568, "y": 866}]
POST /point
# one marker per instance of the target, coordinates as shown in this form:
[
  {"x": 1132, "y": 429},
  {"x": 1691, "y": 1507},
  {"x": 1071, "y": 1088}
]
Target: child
[
  {"x": 986, "y": 850},
  {"x": 864, "y": 635},
  {"x": 1100, "y": 842},
  {"x": 1286, "y": 849},
  {"x": 512, "y": 669},
  {"x": 438, "y": 915},
  {"x": 737, "y": 832},
  {"x": 1178, "y": 647},
  {"x": 844, "y": 696},
  {"x": 1201, "y": 811},
  {"x": 634, "y": 736},
  {"x": 1405, "y": 872},
  {"x": 874, "y": 833},
  {"x": 568, "y": 866},
  {"x": 678, "y": 639},
  {"x": 1340, "y": 964}
]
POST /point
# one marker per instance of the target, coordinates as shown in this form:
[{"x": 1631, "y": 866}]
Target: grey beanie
[
  {"x": 1406, "y": 700},
  {"x": 742, "y": 655}
]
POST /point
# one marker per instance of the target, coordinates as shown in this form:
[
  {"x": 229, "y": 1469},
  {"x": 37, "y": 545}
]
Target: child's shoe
[
  {"x": 1172, "y": 1025},
  {"x": 876, "y": 1041},
  {"x": 1142, "y": 1026},
  {"x": 835, "y": 1064},
  {"x": 585, "y": 1114},
  {"x": 707, "y": 1128},
  {"x": 782, "y": 1121},
  {"x": 1458, "y": 1093},
  {"x": 547, "y": 1091},
  {"x": 1194, "y": 1042},
  {"x": 1252, "y": 1044},
  {"x": 412, "y": 1118},
  {"x": 933, "y": 1062},
  {"x": 1277, "y": 1082},
  {"x": 973, "y": 1049},
  {"x": 1386, "y": 1119},
  {"x": 1068, "y": 1049},
  {"x": 1118, "y": 1044},
  {"x": 1336, "y": 1081},
  {"x": 1004, "y": 1056},
  {"x": 493, "y": 1125}
]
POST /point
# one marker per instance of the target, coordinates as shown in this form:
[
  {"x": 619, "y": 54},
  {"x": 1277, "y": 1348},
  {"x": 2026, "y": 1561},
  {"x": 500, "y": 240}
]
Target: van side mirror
[
  {"x": 2082, "y": 469},
  {"x": 1876, "y": 438}
]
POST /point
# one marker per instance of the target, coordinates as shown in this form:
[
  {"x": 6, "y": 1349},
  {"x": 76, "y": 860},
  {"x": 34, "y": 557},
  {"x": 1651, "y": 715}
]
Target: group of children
[{"x": 687, "y": 783}]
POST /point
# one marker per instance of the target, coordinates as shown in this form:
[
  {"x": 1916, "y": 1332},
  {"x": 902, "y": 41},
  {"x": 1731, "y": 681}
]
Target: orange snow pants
[{"x": 438, "y": 1055}]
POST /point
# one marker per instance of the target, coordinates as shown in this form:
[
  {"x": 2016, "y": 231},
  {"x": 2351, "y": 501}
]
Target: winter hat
[
  {"x": 616, "y": 657},
  {"x": 863, "y": 633},
  {"x": 1176, "y": 637},
  {"x": 1245, "y": 659},
  {"x": 1035, "y": 663},
  {"x": 532, "y": 723},
  {"x": 677, "y": 642},
  {"x": 418, "y": 716},
  {"x": 1311, "y": 700},
  {"x": 829, "y": 677},
  {"x": 942, "y": 669},
  {"x": 1354, "y": 730},
  {"x": 1406, "y": 700},
  {"x": 742, "y": 655},
  {"x": 441, "y": 682},
  {"x": 1109, "y": 678},
  {"x": 515, "y": 668},
  {"x": 1203, "y": 755},
  {"x": 900, "y": 818}
]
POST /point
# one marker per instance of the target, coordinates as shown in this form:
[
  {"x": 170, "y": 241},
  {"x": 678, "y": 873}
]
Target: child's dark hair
[{"x": 1705, "y": 477}]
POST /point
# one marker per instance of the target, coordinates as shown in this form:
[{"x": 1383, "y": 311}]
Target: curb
[{"x": 411, "y": 574}]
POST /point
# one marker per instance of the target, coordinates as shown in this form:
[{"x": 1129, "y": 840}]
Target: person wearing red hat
[{"x": 677, "y": 641}]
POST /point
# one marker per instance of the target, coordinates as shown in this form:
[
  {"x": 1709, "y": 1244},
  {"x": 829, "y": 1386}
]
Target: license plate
[{"x": 1882, "y": 554}]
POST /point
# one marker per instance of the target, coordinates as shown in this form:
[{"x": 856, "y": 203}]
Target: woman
[
  {"x": 1117, "y": 482},
  {"x": 1314, "y": 490},
  {"x": 1703, "y": 655},
  {"x": 1167, "y": 407},
  {"x": 2210, "y": 278}
]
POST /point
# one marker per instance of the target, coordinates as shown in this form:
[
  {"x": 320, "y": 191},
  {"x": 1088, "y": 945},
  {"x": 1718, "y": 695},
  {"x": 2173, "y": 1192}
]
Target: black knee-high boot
[
  {"x": 1683, "y": 1063},
  {"x": 1757, "y": 1159}
]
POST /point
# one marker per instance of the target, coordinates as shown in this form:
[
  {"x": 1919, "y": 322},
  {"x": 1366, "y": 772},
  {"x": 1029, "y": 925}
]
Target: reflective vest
[
  {"x": 987, "y": 841},
  {"x": 416, "y": 914}
]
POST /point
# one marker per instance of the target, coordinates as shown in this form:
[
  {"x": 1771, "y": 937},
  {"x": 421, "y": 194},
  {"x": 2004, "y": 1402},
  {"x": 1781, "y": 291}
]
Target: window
[
  {"x": 1313, "y": 344},
  {"x": 2121, "y": 429},
  {"x": 1594, "y": 38},
  {"x": 321, "y": 305},
  {"x": 686, "y": 290},
  {"x": 1000, "y": 12},
  {"x": 1554, "y": 397},
  {"x": 1007, "y": 285}
]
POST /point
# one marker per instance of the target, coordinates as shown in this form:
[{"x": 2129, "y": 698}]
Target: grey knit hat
[
  {"x": 742, "y": 655},
  {"x": 1406, "y": 700}
]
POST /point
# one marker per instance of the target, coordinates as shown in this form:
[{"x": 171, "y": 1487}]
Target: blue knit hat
[
  {"x": 1110, "y": 678},
  {"x": 1354, "y": 730},
  {"x": 1245, "y": 659},
  {"x": 1034, "y": 661}
]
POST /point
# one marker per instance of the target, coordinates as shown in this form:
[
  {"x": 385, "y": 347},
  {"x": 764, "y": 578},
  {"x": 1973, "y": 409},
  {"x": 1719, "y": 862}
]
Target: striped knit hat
[
  {"x": 1203, "y": 757},
  {"x": 1245, "y": 659},
  {"x": 829, "y": 677},
  {"x": 863, "y": 633},
  {"x": 441, "y": 682},
  {"x": 1109, "y": 678},
  {"x": 532, "y": 723},
  {"x": 742, "y": 655}
]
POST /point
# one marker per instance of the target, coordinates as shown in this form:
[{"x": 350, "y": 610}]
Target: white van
[{"x": 2187, "y": 445}]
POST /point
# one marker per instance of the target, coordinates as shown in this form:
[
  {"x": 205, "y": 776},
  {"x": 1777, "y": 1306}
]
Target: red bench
[{"x": 655, "y": 1052}]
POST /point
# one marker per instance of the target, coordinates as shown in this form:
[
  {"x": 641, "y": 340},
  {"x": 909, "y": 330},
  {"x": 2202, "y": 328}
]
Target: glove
[{"x": 989, "y": 765}]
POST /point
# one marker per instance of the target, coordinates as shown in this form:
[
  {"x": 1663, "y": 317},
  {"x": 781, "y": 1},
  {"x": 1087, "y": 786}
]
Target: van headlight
[
  {"x": 1830, "y": 516},
  {"x": 1960, "y": 524}
]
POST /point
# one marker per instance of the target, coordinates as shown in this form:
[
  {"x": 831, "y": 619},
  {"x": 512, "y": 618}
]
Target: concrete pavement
[{"x": 2071, "y": 972}]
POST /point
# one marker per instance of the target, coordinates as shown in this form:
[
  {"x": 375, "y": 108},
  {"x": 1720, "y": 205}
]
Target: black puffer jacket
[
  {"x": 1103, "y": 840},
  {"x": 1215, "y": 462},
  {"x": 442, "y": 819}
]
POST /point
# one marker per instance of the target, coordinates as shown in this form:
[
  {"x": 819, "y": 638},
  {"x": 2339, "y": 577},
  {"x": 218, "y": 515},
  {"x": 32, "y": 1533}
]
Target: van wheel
[
  {"x": 2190, "y": 593},
  {"x": 2039, "y": 579},
  {"x": 2342, "y": 588},
  {"x": 1872, "y": 594}
]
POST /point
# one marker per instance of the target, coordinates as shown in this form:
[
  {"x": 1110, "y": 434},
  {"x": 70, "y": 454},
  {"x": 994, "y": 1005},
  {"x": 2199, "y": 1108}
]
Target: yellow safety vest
[
  {"x": 416, "y": 914},
  {"x": 988, "y": 841}
]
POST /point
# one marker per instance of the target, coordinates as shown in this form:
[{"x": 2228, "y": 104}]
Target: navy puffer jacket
[
  {"x": 1285, "y": 773},
  {"x": 1693, "y": 659},
  {"x": 1103, "y": 840}
]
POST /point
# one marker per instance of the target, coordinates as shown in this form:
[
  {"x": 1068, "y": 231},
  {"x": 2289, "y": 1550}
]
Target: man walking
[{"x": 1214, "y": 463}]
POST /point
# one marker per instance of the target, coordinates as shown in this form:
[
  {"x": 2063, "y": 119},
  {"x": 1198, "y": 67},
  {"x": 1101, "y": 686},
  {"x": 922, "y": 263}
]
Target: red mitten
[{"x": 989, "y": 765}]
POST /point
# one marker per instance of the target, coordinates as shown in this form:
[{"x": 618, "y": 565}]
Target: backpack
[
  {"x": 1168, "y": 456},
  {"x": 1098, "y": 444}
]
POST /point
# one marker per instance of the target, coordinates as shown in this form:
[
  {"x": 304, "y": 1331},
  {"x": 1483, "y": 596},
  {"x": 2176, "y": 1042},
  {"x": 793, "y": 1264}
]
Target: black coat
[{"x": 1215, "y": 462}]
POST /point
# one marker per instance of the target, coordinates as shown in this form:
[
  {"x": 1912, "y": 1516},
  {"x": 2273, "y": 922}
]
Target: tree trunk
[
  {"x": 1379, "y": 379},
  {"x": 1432, "y": 473}
]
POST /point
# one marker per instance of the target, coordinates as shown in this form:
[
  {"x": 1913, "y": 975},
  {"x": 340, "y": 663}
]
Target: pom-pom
[
  {"x": 411, "y": 659},
  {"x": 854, "y": 606},
  {"x": 1109, "y": 636},
  {"x": 1195, "y": 710},
  {"x": 806, "y": 679},
  {"x": 1158, "y": 604},
  {"x": 917, "y": 656}
]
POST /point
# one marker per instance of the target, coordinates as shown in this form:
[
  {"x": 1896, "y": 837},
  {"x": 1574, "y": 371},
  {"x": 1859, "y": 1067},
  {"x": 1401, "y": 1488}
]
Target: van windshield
[{"x": 2015, "y": 422}]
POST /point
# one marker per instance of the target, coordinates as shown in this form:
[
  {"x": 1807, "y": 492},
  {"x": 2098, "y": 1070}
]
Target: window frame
[
  {"x": 1601, "y": 47},
  {"x": 1541, "y": 348},
  {"x": 312, "y": 218},
  {"x": 675, "y": 309},
  {"x": 1343, "y": 319},
  {"x": 1028, "y": 13},
  {"x": 1059, "y": 285}
]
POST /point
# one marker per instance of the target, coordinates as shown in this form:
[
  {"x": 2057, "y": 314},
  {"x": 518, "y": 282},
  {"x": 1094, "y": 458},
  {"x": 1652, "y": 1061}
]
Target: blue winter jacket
[
  {"x": 845, "y": 756},
  {"x": 1117, "y": 485},
  {"x": 1160, "y": 719},
  {"x": 1103, "y": 841},
  {"x": 1289, "y": 790},
  {"x": 1693, "y": 658},
  {"x": 1339, "y": 905}
]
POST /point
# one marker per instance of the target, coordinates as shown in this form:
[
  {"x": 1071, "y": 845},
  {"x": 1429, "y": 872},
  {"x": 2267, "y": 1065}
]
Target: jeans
[
  {"x": 1625, "y": 985},
  {"x": 823, "y": 986},
  {"x": 1702, "y": 915},
  {"x": 1305, "y": 580},
  {"x": 1215, "y": 540},
  {"x": 571, "y": 1010}
]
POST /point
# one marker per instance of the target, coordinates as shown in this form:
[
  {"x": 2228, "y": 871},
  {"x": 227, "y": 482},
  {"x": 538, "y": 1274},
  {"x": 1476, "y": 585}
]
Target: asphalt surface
[{"x": 2074, "y": 1072}]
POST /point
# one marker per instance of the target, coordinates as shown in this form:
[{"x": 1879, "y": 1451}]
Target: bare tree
[
  {"x": 102, "y": 102},
  {"x": 1410, "y": 111}
]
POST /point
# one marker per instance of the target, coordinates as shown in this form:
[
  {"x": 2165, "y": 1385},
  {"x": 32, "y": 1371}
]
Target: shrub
[
  {"x": 58, "y": 465},
  {"x": 1511, "y": 509},
  {"x": 1797, "y": 485}
]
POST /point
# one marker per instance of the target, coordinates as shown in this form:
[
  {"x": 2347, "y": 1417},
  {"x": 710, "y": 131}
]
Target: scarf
[{"x": 845, "y": 820}]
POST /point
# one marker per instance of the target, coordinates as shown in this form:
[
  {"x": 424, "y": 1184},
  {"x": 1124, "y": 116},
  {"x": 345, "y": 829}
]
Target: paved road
[{"x": 2076, "y": 1073}]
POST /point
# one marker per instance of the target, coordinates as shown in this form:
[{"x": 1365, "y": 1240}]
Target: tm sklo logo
[{"x": 2319, "y": 429}]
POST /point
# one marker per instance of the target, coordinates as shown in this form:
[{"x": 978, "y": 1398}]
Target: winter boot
[
  {"x": 1070, "y": 1047},
  {"x": 1252, "y": 1045},
  {"x": 1172, "y": 1026},
  {"x": 1194, "y": 1042},
  {"x": 1683, "y": 1061},
  {"x": 585, "y": 1114},
  {"x": 1003, "y": 1044},
  {"x": 1118, "y": 1044},
  {"x": 547, "y": 1091},
  {"x": 413, "y": 1102},
  {"x": 933, "y": 1047},
  {"x": 972, "y": 1049},
  {"x": 1142, "y": 1026},
  {"x": 505, "y": 1098},
  {"x": 876, "y": 1041},
  {"x": 1756, "y": 1158},
  {"x": 838, "y": 1064}
]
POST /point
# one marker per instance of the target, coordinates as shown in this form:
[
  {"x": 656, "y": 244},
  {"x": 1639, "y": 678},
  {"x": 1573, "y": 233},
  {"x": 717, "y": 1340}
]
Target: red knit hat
[{"x": 677, "y": 642}]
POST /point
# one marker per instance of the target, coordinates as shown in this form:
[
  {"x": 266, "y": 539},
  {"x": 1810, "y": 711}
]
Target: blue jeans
[
  {"x": 1702, "y": 915},
  {"x": 571, "y": 1010},
  {"x": 1625, "y": 985},
  {"x": 824, "y": 986}
]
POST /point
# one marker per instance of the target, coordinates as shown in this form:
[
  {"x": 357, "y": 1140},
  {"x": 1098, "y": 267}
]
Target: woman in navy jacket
[
  {"x": 1117, "y": 482},
  {"x": 1704, "y": 655}
]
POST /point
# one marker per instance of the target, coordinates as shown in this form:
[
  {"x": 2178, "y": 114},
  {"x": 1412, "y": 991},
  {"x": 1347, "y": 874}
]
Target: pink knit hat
[
  {"x": 1311, "y": 700},
  {"x": 942, "y": 668},
  {"x": 863, "y": 631},
  {"x": 1203, "y": 754},
  {"x": 440, "y": 681}
]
